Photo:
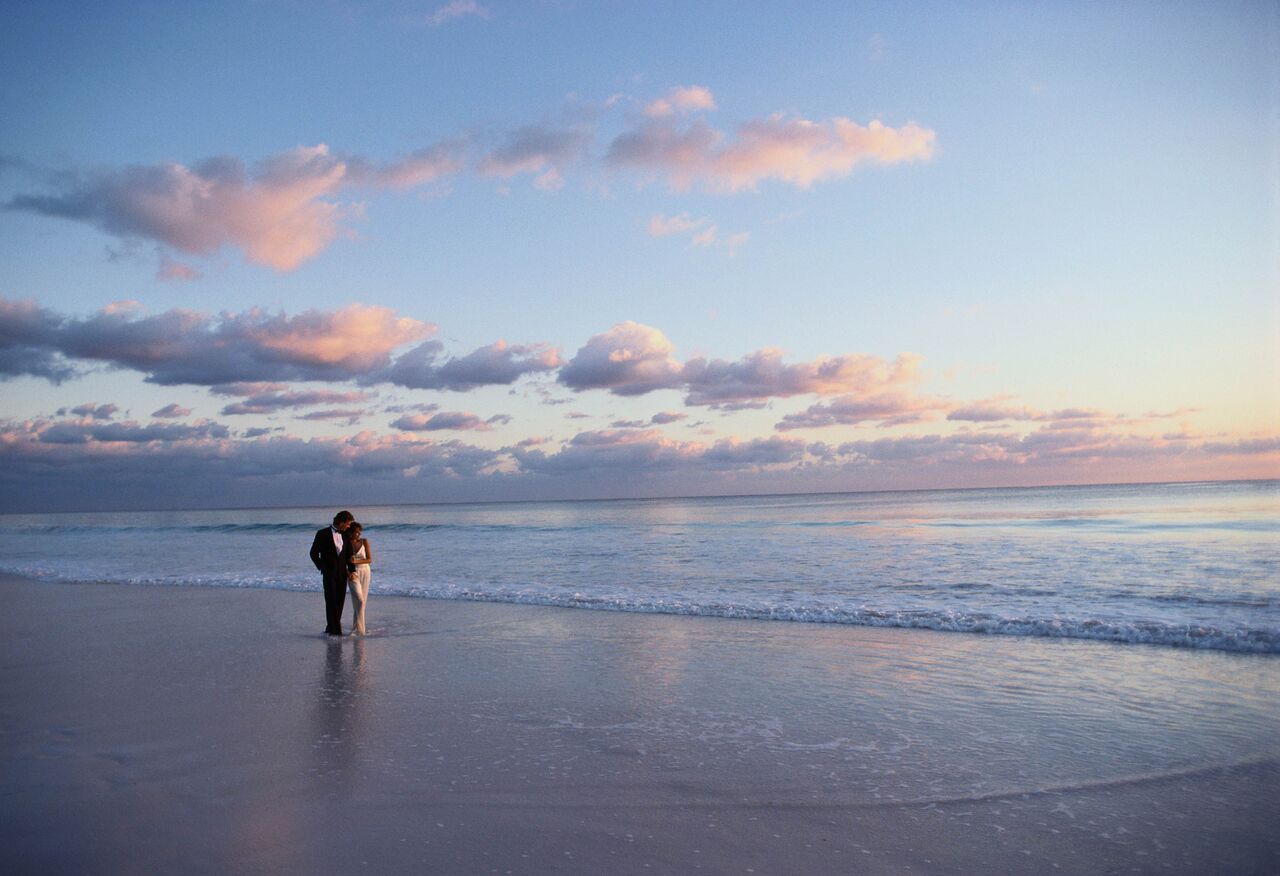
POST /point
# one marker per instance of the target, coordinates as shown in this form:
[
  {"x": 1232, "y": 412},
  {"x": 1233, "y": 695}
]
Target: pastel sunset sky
[{"x": 275, "y": 252}]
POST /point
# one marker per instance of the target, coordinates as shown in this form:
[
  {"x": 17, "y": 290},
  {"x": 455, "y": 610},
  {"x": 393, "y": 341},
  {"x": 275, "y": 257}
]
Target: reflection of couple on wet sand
[{"x": 343, "y": 557}]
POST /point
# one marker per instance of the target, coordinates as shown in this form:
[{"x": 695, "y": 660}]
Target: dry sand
[{"x": 151, "y": 729}]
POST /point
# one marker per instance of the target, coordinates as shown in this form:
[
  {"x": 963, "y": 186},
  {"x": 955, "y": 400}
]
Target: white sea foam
[{"x": 1256, "y": 640}]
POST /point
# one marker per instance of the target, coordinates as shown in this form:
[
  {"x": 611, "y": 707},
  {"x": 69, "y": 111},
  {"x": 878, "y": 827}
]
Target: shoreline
[
  {"x": 1257, "y": 642},
  {"x": 214, "y": 728}
]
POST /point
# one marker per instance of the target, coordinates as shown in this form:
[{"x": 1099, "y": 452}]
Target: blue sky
[{"x": 1075, "y": 212}]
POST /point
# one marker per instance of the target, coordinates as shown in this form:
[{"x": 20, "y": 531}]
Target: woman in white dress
[{"x": 359, "y": 560}]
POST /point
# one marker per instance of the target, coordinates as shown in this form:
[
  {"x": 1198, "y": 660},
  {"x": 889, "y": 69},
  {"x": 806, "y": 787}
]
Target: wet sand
[{"x": 157, "y": 729}]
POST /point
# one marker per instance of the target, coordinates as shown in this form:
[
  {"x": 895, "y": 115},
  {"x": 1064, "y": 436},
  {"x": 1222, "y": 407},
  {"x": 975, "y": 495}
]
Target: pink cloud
[
  {"x": 789, "y": 149},
  {"x": 350, "y": 415},
  {"x": 356, "y": 337},
  {"x": 1055, "y": 448},
  {"x": 662, "y": 418},
  {"x": 990, "y": 411},
  {"x": 664, "y": 226},
  {"x": 735, "y": 452},
  {"x": 159, "y": 455},
  {"x": 634, "y": 359},
  {"x": 1177, "y": 412},
  {"x": 735, "y": 406},
  {"x": 497, "y": 364},
  {"x": 270, "y": 402},
  {"x": 630, "y": 452},
  {"x": 280, "y": 215},
  {"x": 448, "y": 420},
  {"x": 247, "y": 387},
  {"x": 1244, "y": 446},
  {"x": 186, "y": 346},
  {"x": 95, "y": 411},
  {"x": 415, "y": 169},
  {"x": 172, "y": 271},
  {"x": 112, "y": 435},
  {"x": 172, "y": 410},
  {"x": 887, "y": 408},
  {"x": 536, "y": 149},
  {"x": 763, "y": 374},
  {"x": 994, "y": 410},
  {"x": 628, "y": 359},
  {"x": 682, "y": 99},
  {"x": 702, "y": 233}
]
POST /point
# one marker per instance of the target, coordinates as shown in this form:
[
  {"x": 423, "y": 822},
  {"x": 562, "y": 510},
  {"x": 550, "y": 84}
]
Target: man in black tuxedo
[{"x": 328, "y": 552}]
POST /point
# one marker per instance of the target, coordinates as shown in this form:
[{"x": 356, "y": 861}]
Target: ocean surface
[{"x": 1192, "y": 565}]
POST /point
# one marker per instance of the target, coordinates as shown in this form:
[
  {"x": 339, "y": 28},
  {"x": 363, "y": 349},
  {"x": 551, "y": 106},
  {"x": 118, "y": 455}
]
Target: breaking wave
[{"x": 1238, "y": 639}]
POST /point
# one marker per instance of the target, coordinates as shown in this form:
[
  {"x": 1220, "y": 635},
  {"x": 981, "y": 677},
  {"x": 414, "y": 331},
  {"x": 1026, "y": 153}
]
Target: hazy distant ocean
[{"x": 1190, "y": 565}]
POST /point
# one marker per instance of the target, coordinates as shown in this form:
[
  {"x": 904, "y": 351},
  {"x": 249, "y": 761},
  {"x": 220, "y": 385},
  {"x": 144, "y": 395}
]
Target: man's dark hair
[{"x": 343, "y": 517}]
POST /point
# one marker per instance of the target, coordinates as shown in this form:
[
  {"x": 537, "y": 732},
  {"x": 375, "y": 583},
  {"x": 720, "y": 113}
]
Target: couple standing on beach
[{"x": 343, "y": 558}]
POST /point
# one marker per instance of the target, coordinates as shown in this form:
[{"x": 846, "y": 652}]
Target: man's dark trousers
[{"x": 335, "y": 599}]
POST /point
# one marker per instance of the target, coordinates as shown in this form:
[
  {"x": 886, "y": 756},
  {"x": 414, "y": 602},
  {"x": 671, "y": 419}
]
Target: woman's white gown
[{"x": 359, "y": 589}]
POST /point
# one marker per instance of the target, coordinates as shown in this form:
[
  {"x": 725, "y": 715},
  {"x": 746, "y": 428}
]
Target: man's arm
[{"x": 316, "y": 554}]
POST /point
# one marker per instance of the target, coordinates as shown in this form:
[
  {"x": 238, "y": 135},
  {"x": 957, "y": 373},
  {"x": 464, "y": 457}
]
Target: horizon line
[{"x": 668, "y": 498}]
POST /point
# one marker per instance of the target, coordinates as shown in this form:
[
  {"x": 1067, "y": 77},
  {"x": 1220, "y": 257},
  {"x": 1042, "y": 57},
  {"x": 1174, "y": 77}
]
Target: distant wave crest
[
  {"x": 204, "y": 528},
  {"x": 1117, "y": 525}
]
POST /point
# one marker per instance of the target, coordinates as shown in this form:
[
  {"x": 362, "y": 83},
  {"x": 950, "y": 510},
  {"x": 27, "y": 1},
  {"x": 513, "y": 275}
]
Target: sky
[{"x": 276, "y": 253}]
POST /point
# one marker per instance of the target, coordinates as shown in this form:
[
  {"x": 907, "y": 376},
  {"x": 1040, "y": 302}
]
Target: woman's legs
[{"x": 359, "y": 594}]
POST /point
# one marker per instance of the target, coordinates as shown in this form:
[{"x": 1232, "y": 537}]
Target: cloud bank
[
  {"x": 246, "y": 353},
  {"x": 252, "y": 357},
  {"x": 83, "y": 462}
]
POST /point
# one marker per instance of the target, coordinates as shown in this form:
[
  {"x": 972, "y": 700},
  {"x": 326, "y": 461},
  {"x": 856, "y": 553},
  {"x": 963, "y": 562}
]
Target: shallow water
[{"x": 1192, "y": 565}]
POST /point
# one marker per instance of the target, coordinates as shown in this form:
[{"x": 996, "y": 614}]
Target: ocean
[{"x": 1192, "y": 565}]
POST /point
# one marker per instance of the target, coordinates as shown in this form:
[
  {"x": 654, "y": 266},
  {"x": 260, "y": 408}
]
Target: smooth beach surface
[{"x": 163, "y": 729}]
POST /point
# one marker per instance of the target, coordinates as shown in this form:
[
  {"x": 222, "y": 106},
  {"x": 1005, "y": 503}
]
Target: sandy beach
[{"x": 163, "y": 729}]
